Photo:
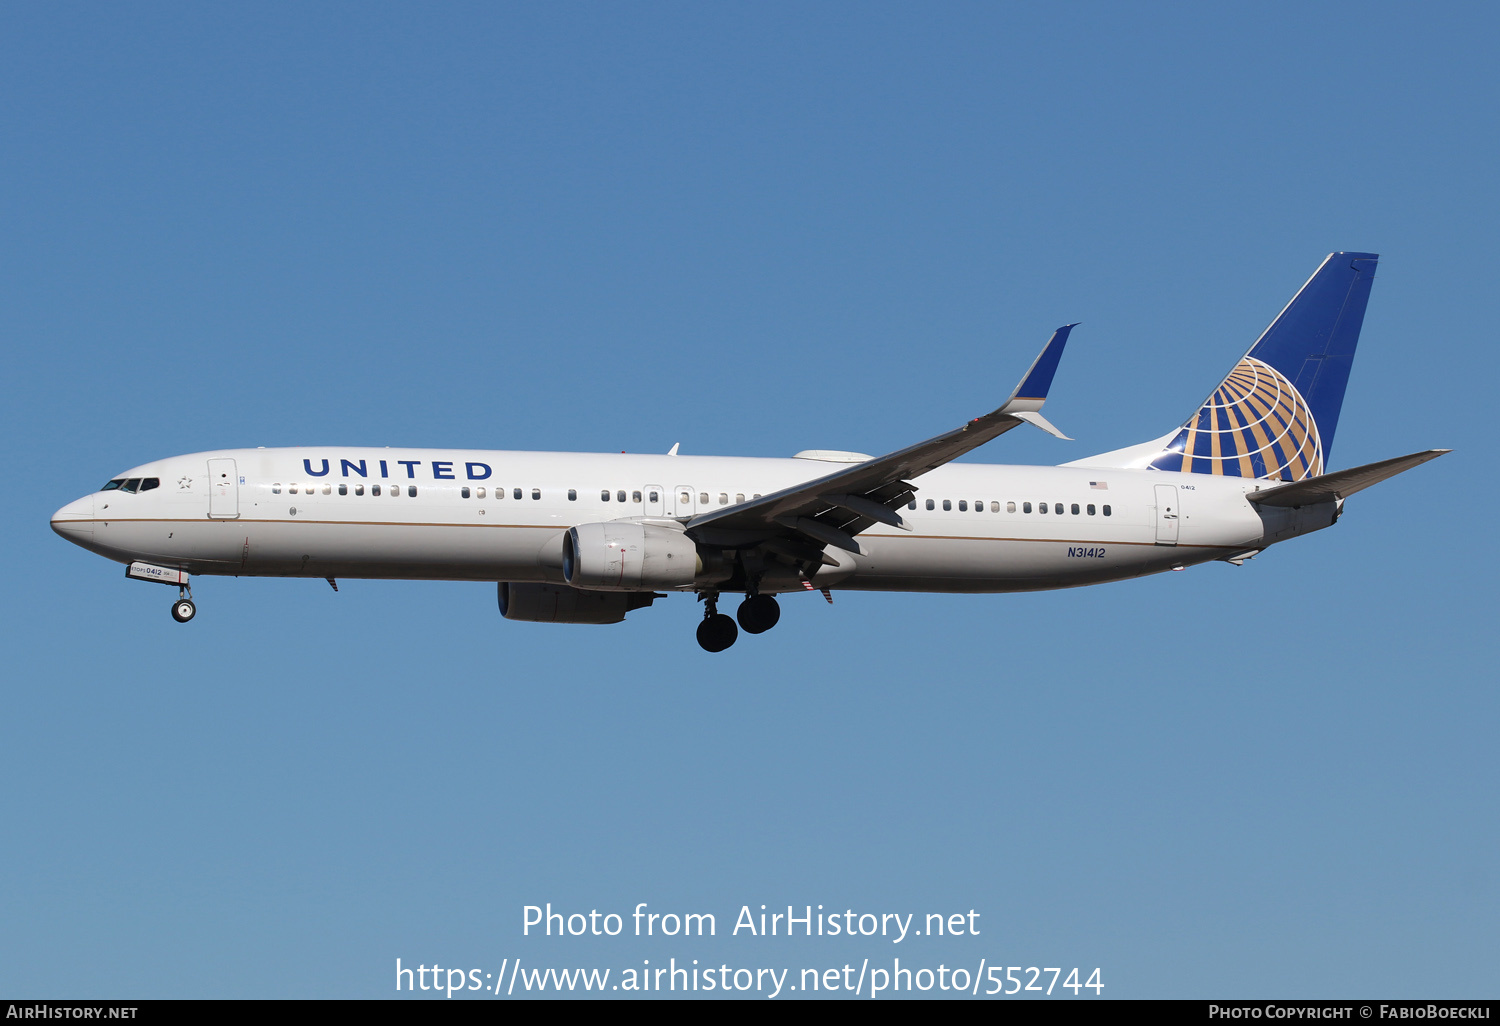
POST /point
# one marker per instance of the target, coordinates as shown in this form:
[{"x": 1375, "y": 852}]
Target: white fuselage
[{"x": 314, "y": 512}]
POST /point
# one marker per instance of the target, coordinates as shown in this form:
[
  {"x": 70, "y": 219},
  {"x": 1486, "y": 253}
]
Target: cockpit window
[
  {"x": 110, "y": 486},
  {"x": 150, "y": 483},
  {"x": 131, "y": 485}
]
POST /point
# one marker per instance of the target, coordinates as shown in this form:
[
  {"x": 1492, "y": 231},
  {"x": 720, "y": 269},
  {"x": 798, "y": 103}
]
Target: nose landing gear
[{"x": 183, "y": 609}]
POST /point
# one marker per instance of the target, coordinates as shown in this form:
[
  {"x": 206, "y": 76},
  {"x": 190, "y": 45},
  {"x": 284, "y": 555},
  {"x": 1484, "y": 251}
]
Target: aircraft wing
[
  {"x": 831, "y": 510},
  {"x": 1341, "y": 483}
]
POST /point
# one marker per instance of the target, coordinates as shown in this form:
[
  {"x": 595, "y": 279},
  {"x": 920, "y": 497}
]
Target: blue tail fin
[{"x": 1275, "y": 414}]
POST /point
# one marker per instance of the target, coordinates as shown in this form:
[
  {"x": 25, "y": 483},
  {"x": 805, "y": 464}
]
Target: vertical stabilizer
[{"x": 1274, "y": 415}]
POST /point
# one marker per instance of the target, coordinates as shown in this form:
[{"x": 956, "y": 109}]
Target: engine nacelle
[
  {"x": 624, "y": 555},
  {"x": 557, "y": 603}
]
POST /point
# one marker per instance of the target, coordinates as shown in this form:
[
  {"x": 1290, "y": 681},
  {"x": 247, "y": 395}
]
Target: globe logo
[{"x": 1256, "y": 424}]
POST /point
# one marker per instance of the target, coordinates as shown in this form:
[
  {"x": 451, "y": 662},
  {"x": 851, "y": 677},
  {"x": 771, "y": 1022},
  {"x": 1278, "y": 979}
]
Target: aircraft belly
[
  {"x": 1002, "y": 564},
  {"x": 401, "y": 551}
]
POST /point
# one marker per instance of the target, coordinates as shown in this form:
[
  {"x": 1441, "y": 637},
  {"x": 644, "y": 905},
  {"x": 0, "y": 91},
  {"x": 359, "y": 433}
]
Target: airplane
[{"x": 586, "y": 538}]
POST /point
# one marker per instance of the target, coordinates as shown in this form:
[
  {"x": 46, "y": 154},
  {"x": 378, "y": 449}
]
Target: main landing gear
[
  {"x": 717, "y": 631},
  {"x": 183, "y": 609},
  {"x": 757, "y": 614}
]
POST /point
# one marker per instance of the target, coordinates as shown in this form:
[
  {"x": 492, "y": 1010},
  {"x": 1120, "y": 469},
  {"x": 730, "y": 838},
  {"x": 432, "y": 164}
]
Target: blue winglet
[{"x": 1038, "y": 379}]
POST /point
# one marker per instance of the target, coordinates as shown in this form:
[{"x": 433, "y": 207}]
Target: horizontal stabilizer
[{"x": 1340, "y": 484}]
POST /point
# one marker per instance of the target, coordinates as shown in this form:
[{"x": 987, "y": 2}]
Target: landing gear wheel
[
  {"x": 717, "y": 632},
  {"x": 183, "y": 610},
  {"x": 758, "y": 613}
]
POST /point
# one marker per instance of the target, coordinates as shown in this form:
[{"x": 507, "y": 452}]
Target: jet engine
[
  {"x": 624, "y": 555},
  {"x": 557, "y": 603}
]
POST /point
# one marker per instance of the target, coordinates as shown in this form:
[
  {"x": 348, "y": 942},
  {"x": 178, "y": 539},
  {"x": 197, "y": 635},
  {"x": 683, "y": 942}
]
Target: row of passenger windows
[
  {"x": 359, "y": 489},
  {"x": 132, "y": 484},
  {"x": 635, "y": 496},
  {"x": 395, "y": 489},
  {"x": 1010, "y": 507},
  {"x": 683, "y": 498},
  {"x": 605, "y": 494}
]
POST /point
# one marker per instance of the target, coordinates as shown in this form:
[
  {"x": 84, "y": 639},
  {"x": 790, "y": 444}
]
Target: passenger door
[
  {"x": 1167, "y": 515},
  {"x": 223, "y": 490},
  {"x": 655, "y": 500},
  {"x": 682, "y": 497}
]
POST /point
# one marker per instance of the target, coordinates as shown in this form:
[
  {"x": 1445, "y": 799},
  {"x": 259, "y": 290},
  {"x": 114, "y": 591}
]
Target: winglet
[
  {"x": 1026, "y": 401},
  {"x": 1038, "y": 380},
  {"x": 673, "y": 451},
  {"x": 1037, "y": 420}
]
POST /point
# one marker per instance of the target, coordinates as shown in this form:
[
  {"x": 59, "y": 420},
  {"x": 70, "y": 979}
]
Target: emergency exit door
[
  {"x": 1168, "y": 516},
  {"x": 223, "y": 490}
]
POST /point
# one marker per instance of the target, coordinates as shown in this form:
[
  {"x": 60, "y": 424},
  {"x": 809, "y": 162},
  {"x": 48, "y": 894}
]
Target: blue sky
[{"x": 751, "y": 229}]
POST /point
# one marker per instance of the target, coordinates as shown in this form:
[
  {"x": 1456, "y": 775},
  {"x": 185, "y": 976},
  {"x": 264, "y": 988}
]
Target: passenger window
[
  {"x": 374, "y": 489},
  {"x": 912, "y": 504},
  {"x": 604, "y": 495},
  {"x": 110, "y": 486},
  {"x": 1041, "y": 507},
  {"x": 359, "y": 489},
  {"x": 655, "y": 497},
  {"x": 620, "y": 495},
  {"x": 1057, "y": 508},
  {"x": 150, "y": 483},
  {"x": 411, "y": 490},
  {"x": 395, "y": 491},
  {"x": 464, "y": 491},
  {"x": 757, "y": 495},
  {"x": 1026, "y": 507},
  {"x": 930, "y": 504},
  {"x": 515, "y": 493},
  {"x": 1106, "y": 511},
  {"x": 343, "y": 489},
  {"x": 723, "y": 498},
  {"x": 328, "y": 489},
  {"x": 739, "y": 497},
  {"x": 963, "y": 505},
  {"x": 536, "y": 493},
  {"x": 276, "y": 488},
  {"x": 635, "y": 496},
  {"x": 703, "y": 498},
  {"x": 479, "y": 491},
  {"x": 1075, "y": 509},
  {"x": 947, "y": 504},
  {"x": 572, "y": 494},
  {"x": 291, "y": 489},
  {"x": 684, "y": 498},
  {"x": 1010, "y": 507},
  {"x": 1091, "y": 509}
]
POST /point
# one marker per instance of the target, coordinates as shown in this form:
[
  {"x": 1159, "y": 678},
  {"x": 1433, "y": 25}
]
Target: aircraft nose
[{"x": 75, "y": 521}]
